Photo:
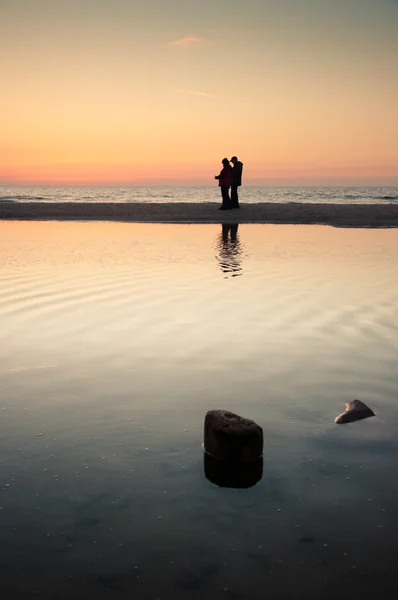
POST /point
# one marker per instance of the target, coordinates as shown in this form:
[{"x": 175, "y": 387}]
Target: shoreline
[{"x": 338, "y": 215}]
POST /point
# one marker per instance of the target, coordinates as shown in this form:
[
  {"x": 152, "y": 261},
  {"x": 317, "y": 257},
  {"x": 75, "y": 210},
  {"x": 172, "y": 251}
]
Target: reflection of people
[
  {"x": 224, "y": 181},
  {"x": 230, "y": 250},
  {"x": 236, "y": 181},
  {"x": 232, "y": 229}
]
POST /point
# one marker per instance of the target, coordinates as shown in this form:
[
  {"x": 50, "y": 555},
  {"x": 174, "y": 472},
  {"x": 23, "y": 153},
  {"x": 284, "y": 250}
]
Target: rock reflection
[
  {"x": 232, "y": 475},
  {"x": 229, "y": 250}
]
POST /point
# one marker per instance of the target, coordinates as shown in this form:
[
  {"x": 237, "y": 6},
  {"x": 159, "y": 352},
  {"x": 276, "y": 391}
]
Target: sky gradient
[{"x": 156, "y": 92}]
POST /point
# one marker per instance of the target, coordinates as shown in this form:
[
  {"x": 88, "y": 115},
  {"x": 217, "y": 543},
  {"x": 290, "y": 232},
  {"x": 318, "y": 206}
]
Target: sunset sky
[{"x": 159, "y": 91}]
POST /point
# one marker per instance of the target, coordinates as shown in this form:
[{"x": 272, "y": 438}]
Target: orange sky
[{"x": 126, "y": 92}]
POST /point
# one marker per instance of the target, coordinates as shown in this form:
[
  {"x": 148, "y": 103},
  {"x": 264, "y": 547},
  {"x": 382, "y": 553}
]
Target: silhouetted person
[
  {"x": 236, "y": 181},
  {"x": 224, "y": 181}
]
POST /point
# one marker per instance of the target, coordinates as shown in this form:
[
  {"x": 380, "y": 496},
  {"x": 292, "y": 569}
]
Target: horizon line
[{"x": 194, "y": 185}]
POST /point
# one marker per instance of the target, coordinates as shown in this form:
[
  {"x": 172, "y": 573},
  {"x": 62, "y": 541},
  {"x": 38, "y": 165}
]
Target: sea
[
  {"x": 115, "y": 341},
  {"x": 196, "y": 194}
]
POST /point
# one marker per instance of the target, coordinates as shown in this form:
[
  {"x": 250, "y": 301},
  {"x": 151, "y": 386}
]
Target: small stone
[{"x": 355, "y": 411}]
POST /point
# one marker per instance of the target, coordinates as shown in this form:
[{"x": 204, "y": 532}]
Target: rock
[
  {"x": 231, "y": 438},
  {"x": 355, "y": 411},
  {"x": 233, "y": 475}
]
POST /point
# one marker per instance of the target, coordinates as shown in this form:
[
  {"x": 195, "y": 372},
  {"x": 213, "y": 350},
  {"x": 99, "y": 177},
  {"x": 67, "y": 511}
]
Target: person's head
[
  {"x": 234, "y": 160},
  {"x": 225, "y": 162}
]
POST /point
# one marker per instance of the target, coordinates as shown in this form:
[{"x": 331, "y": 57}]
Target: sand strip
[{"x": 341, "y": 215}]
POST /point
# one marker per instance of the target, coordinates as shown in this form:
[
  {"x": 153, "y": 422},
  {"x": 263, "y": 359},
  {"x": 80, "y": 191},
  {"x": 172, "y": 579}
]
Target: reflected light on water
[{"x": 116, "y": 339}]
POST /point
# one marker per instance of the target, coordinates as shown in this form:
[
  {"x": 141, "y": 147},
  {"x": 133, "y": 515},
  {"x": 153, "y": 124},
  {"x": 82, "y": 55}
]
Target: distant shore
[{"x": 339, "y": 215}]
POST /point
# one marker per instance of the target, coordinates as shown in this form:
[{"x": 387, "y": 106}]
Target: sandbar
[{"x": 339, "y": 215}]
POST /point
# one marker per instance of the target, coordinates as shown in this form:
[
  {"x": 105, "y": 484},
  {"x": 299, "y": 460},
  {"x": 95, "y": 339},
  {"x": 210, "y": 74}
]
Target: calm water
[
  {"x": 194, "y": 194},
  {"x": 116, "y": 339}
]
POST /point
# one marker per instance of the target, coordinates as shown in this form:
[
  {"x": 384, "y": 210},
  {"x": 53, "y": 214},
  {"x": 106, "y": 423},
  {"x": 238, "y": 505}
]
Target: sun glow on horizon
[{"x": 120, "y": 96}]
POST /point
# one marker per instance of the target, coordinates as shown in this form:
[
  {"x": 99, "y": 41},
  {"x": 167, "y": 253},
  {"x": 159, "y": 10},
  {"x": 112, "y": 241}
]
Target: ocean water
[
  {"x": 328, "y": 195},
  {"x": 115, "y": 340}
]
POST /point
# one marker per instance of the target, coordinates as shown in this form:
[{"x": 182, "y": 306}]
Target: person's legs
[
  {"x": 226, "y": 201},
  {"x": 222, "y": 207},
  {"x": 234, "y": 197}
]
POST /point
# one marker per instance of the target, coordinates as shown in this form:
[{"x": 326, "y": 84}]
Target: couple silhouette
[{"x": 230, "y": 177}]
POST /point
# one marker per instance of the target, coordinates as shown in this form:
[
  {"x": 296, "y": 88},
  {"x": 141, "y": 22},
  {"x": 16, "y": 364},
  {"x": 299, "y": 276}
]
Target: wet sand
[{"x": 339, "y": 215}]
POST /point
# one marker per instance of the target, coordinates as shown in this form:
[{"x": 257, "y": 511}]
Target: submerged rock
[
  {"x": 355, "y": 411},
  {"x": 231, "y": 438}
]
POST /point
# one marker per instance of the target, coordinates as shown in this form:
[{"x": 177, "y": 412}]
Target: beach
[
  {"x": 199, "y": 215},
  {"x": 339, "y": 215}
]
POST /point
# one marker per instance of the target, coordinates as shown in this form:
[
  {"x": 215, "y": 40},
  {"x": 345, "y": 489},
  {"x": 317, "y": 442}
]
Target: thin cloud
[
  {"x": 195, "y": 93},
  {"x": 189, "y": 40}
]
